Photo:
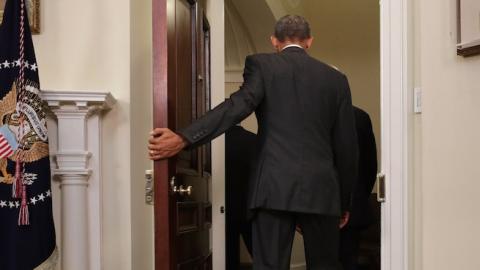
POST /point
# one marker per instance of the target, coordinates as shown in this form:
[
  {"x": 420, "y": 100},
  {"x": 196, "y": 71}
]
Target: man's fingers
[
  {"x": 159, "y": 131},
  {"x": 158, "y": 140},
  {"x": 155, "y": 152},
  {"x": 155, "y": 155},
  {"x": 162, "y": 140},
  {"x": 164, "y": 143},
  {"x": 154, "y": 158},
  {"x": 155, "y": 132},
  {"x": 161, "y": 153},
  {"x": 154, "y": 147},
  {"x": 163, "y": 147},
  {"x": 160, "y": 156},
  {"x": 344, "y": 219}
]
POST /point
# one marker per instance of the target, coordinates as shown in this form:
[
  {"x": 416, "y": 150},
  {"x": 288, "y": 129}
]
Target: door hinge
[
  {"x": 149, "y": 191},
  {"x": 381, "y": 187}
]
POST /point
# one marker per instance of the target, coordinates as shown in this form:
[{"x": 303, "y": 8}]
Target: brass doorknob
[{"x": 182, "y": 190}]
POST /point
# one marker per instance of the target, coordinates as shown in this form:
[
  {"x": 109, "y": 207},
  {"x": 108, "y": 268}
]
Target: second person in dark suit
[
  {"x": 361, "y": 214},
  {"x": 240, "y": 148}
]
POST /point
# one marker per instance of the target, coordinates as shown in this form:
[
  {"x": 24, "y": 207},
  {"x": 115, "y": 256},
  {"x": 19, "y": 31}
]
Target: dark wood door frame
[{"x": 163, "y": 254}]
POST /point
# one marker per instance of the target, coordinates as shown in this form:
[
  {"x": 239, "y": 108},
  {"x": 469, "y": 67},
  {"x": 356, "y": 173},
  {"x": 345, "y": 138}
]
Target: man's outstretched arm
[{"x": 165, "y": 143}]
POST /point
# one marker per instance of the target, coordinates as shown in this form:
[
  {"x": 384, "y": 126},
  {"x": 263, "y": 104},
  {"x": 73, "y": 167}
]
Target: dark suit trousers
[
  {"x": 349, "y": 244},
  {"x": 235, "y": 228},
  {"x": 273, "y": 233}
]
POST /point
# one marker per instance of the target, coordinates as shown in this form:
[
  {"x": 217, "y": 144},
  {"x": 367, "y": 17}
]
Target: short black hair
[{"x": 292, "y": 27}]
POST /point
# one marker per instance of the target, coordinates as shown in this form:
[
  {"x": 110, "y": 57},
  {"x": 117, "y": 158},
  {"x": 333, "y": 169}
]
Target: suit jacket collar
[{"x": 293, "y": 50}]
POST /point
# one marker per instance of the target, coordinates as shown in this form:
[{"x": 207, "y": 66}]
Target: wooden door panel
[
  {"x": 191, "y": 246},
  {"x": 182, "y": 219},
  {"x": 185, "y": 87},
  {"x": 188, "y": 218},
  {"x": 193, "y": 217},
  {"x": 186, "y": 92},
  {"x": 200, "y": 263},
  {"x": 207, "y": 215}
]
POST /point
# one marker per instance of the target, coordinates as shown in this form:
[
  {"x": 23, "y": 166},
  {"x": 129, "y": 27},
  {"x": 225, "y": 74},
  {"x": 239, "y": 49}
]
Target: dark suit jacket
[
  {"x": 361, "y": 213},
  {"x": 307, "y": 143}
]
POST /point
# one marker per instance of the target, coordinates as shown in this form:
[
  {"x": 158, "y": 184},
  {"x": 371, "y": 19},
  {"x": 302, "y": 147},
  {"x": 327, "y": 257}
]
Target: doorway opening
[{"x": 346, "y": 36}]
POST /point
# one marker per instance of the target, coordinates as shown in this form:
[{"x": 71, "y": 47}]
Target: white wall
[
  {"x": 449, "y": 143},
  {"x": 85, "y": 45}
]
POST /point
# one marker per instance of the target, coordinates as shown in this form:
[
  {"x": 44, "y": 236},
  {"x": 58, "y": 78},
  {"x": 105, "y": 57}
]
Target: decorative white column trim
[
  {"x": 75, "y": 146},
  {"x": 71, "y": 160},
  {"x": 80, "y": 98}
]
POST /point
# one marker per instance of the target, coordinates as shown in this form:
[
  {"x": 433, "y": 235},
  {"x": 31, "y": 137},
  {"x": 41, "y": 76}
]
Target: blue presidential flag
[{"x": 27, "y": 234}]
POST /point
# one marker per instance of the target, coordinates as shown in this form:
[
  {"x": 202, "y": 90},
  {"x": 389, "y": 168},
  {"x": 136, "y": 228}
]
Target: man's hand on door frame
[
  {"x": 344, "y": 219},
  {"x": 164, "y": 143}
]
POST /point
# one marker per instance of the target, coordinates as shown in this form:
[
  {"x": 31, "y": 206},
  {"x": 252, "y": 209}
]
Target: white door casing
[
  {"x": 215, "y": 15},
  {"x": 396, "y": 106}
]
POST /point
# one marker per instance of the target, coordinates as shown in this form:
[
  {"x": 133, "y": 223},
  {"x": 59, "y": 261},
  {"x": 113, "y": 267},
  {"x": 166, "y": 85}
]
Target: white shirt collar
[{"x": 292, "y": 45}]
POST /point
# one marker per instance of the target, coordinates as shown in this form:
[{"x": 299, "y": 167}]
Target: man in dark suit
[
  {"x": 240, "y": 148},
  {"x": 307, "y": 148},
  {"x": 361, "y": 214}
]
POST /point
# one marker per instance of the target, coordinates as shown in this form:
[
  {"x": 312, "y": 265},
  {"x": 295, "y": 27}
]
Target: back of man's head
[{"x": 292, "y": 28}]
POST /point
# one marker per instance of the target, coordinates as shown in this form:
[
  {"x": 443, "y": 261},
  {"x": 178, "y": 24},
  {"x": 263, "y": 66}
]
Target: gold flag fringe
[{"x": 50, "y": 263}]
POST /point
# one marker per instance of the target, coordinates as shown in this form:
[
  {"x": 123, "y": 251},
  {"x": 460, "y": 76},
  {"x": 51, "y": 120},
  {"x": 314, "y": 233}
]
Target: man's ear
[
  {"x": 308, "y": 43},
  {"x": 275, "y": 42}
]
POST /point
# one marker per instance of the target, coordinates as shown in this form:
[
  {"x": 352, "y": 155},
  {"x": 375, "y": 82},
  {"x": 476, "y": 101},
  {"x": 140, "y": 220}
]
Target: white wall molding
[{"x": 75, "y": 146}]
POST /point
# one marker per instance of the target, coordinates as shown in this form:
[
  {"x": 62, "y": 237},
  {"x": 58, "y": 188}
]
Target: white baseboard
[{"x": 298, "y": 266}]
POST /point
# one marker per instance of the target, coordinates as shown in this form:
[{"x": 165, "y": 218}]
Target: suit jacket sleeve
[
  {"x": 369, "y": 158},
  {"x": 345, "y": 146},
  {"x": 230, "y": 112}
]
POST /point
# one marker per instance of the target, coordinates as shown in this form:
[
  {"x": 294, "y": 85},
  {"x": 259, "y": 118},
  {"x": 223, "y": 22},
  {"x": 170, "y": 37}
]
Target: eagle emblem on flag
[{"x": 34, "y": 140}]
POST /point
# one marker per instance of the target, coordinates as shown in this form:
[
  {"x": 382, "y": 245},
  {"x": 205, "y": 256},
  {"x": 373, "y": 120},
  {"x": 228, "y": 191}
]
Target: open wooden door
[{"x": 181, "y": 90}]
